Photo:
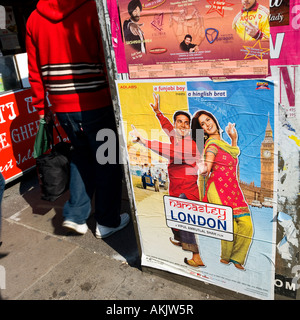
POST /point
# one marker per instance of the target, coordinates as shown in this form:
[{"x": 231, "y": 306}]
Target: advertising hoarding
[{"x": 171, "y": 194}]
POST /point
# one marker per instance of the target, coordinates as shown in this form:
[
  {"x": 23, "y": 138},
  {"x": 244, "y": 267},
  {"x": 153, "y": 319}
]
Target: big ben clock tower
[{"x": 267, "y": 163}]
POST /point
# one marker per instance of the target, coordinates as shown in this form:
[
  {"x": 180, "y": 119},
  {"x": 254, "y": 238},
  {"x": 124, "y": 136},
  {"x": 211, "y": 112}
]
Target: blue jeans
[
  {"x": 88, "y": 176},
  {"x": 2, "y": 187}
]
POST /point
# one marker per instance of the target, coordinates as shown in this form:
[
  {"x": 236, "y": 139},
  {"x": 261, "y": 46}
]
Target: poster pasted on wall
[
  {"x": 284, "y": 42},
  {"x": 195, "y": 38},
  {"x": 284, "y": 62},
  {"x": 204, "y": 210}
]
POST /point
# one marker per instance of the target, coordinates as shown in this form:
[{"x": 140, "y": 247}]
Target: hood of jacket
[{"x": 57, "y": 10}]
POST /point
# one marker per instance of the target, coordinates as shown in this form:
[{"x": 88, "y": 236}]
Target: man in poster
[
  {"x": 252, "y": 22},
  {"x": 187, "y": 45},
  {"x": 133, "y": 33},
  {"x": 182, "y": 154}
]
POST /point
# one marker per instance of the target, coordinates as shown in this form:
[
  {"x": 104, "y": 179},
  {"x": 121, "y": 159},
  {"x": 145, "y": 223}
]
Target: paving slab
[
  {"x": 29, "y": 255},
  {"x": 42, "y": 261},
  {"x": 84, "y": 275}
]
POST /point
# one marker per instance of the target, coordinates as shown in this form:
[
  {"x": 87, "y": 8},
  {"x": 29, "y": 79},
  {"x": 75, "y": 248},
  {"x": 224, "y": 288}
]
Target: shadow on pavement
[{"x": 47, "y": 216}]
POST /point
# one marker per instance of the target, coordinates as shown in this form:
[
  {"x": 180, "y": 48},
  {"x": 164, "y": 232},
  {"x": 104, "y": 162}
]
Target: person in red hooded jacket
[{"x": 66, "y": 60}]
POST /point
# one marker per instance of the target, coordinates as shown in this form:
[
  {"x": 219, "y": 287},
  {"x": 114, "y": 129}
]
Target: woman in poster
[{"x": 219, "y": 164}]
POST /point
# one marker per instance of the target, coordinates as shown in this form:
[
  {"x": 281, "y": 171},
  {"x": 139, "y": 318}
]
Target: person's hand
[
  {"x": 232, "y": 133},
  {"x": 136, "y": 135},
  {"x": 135, "y": 29},
  {"x": 250, "y": 28},
  {"x": 48, "y": 116},
  {"x": 202, "y": 166},
  {"x": 195, "y": 49},
  {"x": 155, "y": 105}
]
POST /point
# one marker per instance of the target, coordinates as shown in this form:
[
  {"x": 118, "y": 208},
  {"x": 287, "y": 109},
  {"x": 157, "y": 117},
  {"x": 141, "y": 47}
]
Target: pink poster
[
  {"x": 116, "y": 36},
  {"x": 285, "y": 25},
  {"x": 195, "y": 38}
]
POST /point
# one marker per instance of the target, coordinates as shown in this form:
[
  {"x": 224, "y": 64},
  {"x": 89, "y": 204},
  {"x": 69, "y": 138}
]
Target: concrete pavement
[{"x": 39, "y": 260}]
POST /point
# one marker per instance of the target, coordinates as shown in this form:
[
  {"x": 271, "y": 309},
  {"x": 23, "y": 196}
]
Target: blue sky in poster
[{"x": 244, "y": 105}]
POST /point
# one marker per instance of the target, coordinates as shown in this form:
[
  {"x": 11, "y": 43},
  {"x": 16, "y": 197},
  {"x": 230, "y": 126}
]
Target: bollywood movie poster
[
  {"x": 195, "y": 38},
  {"x": 218, "y": 227}
]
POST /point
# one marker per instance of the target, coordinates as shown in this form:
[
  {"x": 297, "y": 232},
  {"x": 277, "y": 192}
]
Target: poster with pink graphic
[
  {"x": 195, "y": 38},
  {"x": 116, "y": 36},
  {"x": 285, "y": 60},
  {"x": 285, "y": 26}
]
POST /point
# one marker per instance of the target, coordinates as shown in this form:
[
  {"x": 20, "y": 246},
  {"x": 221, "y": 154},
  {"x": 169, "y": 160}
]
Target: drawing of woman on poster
[
  {"x": 186, "y": 21},
  {"x": 219, "y": 165},
  {"x": 182, "y": 169}
]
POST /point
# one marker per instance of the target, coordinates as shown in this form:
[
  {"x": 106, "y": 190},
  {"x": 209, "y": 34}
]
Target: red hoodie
[{"x": 65, "y": 56}]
